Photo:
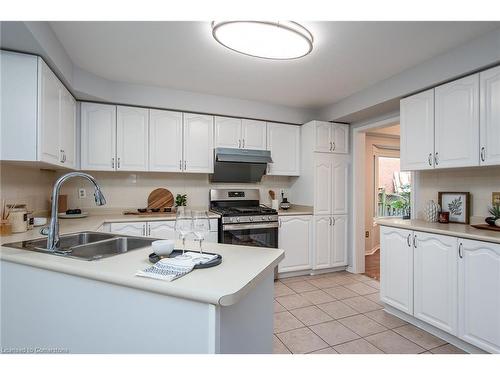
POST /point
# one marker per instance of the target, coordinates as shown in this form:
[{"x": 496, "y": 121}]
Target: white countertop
[
  {"x": 451, "y": 229},
  {"x": 242, "y": 266}
]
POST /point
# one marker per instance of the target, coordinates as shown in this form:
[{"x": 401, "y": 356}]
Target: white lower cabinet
[
  {"x": 159, "y": 229},
  {"x": 435, "y": 280},
  {"x": 396, "y": 268},
  {"x": 450, "y": 283},
  {"x": 330, "y": 241},
  {"x": 479, "y": 294},
  {"x": 295, "y": 238}
]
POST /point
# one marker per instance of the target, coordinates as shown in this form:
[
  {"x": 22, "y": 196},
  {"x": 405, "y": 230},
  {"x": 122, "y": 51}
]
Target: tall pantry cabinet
[{"x": 324, "y": 184}]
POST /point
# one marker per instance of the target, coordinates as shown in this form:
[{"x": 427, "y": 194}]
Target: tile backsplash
[
  {"x": 479, "y": 181},
  {"x": 131, "y": 190}
]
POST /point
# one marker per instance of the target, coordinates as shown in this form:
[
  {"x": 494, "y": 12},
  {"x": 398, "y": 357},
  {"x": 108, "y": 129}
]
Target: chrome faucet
[{"x": 53, "y": 230}]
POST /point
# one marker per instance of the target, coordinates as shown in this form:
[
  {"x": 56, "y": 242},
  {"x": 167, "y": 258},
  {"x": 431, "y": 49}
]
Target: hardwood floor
[{"x": 372, "y": 265}]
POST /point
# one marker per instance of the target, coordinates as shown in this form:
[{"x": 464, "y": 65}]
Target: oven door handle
[{"x": 228, "y": 227}]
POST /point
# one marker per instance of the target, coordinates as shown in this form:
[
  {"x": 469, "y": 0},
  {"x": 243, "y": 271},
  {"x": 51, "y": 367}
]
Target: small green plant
[
  {"x": 180, "y": 200},
  {"x": 495, "y": 211}
]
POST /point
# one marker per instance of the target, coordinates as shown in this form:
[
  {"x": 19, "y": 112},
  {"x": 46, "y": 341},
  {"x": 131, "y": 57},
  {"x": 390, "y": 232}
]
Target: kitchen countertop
[
  {"x": 451, "y": 229},
  {"x": 242, "y": 266},
  {"x": 296, "y": 209}
]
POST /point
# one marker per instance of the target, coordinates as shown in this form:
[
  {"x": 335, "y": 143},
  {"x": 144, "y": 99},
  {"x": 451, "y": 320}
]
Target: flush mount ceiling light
[{"x": 278, "y": 40}]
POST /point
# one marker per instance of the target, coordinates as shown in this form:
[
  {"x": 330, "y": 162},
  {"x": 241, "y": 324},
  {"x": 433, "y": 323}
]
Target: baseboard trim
[
  {"x": 284, "y": 275},
  {"x": 465, "y": 346}
]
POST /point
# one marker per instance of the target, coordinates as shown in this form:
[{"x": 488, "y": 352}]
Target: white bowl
[{"x": 163, "y": 247}]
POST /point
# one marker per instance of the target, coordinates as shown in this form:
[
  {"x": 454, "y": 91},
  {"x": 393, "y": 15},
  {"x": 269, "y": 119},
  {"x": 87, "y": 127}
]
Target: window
[{"x": 392, "y": 187}]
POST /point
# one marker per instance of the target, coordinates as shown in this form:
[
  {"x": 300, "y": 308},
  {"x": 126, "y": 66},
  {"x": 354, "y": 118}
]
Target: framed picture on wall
[{"x": 457, "y": 204}]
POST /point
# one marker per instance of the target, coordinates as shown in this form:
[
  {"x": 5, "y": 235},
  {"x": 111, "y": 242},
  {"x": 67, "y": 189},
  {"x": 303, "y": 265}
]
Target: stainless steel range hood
[{"x": 237, "y": 165}]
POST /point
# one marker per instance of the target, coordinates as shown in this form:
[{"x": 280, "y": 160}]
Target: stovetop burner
[{"x": 242, "y": 211}]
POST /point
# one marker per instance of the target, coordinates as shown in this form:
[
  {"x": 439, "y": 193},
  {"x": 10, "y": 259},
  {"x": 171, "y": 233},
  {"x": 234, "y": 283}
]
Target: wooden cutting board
[
  {"x": 160, "y": 198},
  {"x": 486, "y": 227}
]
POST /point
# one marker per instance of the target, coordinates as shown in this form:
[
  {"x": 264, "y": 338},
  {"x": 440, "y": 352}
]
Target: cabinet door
[
  {"x": 68, "y": 129},
  {"x": 490, "y": 116},
  {"x": 129, "y": 229},
  {"x": 98, "y": 137},
  {"x": 295, "y": 238},
  {"x": 254, "y": 134},
  {"x": 396, "y": 268},
  {"x": 132, "y": 138},
  {"x": 340, "y": 181},
  {"x": 49, "y": 117},
  {"x": 339, "y": 241},
  {"x": 165, "y": 141},
  {"x": 323, "y": 136},
  {"x": 340, "y": 138},
  {"x": 322, "y": 242},
  {"x": 417, "y": 131},
  {"x": 323, "y": 189},
  {"x": 479, "y": 294},
  {"x": 435, "y": 280},
  {"x": 457, "y": 123},
  {"x": 162, "y": 229},
  {"x": 198, "y": 143},
  {"x": 228, "y": 132},
  {"x": 284, "y": 143}
]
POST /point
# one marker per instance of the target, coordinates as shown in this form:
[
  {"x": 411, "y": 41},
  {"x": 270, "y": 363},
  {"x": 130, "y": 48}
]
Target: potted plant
[
  {"x": 495, "y": 215},
  {"x": 180, "y": 200}
]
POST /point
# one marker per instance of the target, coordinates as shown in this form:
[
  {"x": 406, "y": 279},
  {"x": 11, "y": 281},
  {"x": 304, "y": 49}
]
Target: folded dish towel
[{"x": 170, "y": 269}]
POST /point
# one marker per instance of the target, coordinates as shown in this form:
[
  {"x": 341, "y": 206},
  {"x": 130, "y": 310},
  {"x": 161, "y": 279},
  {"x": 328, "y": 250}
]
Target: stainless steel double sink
[{"x": 86, "y": 245}]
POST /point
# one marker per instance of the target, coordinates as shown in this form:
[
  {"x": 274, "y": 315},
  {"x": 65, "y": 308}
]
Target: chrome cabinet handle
[
  {"x": 118, "y": 163},
  {"x": 483, "y": 155},
  {"x": 180, "y": 165},
  {"x": 408, "y": 240},
  {"x": 436, "y": 160},
  {"x": 61, "y": 156},
  {"x": 279, "y": 223},
  {"x": 185, "y": 164},
  {"x": 333, "y": 143},
  {"x": 239, "y": 143},
  {"x": 333, "y": 221},
  {"x": 243, "y": 142},
  {"x": 330, "y": 146},
  {"x": 429, "y": 159},
  {"x": 143, "y": 229},
  {"x": 460, "y": 250},
  {"x": 64, "y": 156},
  {"x": 113, "y": 163},
  {"x": 415, "y": 241}
]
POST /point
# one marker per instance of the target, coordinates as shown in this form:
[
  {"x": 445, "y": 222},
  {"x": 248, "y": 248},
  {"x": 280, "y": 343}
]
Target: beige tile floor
[{"x": 341, "y": 313}]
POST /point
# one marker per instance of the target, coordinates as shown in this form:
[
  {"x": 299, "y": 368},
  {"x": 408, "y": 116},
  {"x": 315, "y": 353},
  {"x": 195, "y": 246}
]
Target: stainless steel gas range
[{"x": 244, "y": 221}]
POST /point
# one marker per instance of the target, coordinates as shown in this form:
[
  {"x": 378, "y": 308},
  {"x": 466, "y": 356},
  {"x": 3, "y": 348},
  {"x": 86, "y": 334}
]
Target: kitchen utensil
[
  {"x": 153, "y": 258},
  {"x": 275, "y": 204},
  {"x": 163, "y": 247},
  {"x": 5, "y": 228},
  {"x": 18, "y": 218},
  {"x": 160, "y": 198},
  {"x": 272, "y": 195}
]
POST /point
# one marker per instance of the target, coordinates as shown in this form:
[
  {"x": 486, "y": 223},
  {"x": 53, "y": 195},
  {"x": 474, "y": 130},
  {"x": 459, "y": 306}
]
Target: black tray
[{"x": 153, "y": 258}]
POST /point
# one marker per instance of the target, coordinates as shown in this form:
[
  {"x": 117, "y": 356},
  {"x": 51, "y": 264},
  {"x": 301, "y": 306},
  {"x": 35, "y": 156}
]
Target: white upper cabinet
[
  {"x": 479, "y": 294},
  {"x": 254, "y": 134},
  {"x": 417, "y": 131},
  {"x": 435, "y": 280},
  {"x": 98, "y": 137},
  {"x": 165, "y": 141},
  {"x": 457, "y": 123},
  {"x": 50, "y": 117},
  {"x": 396, "y": 268},
  {"x": 490, "y": 116},
  {"x": 198, "y": 143},
  {"x": 284, "y": 143},
  {"x": 228, "y": 132},
  {"x": 295, "y": 238},
  {"x": 67, "y": 132},
  {"x": 132, "y": 138},
  {"x": 331, "y": 137}
]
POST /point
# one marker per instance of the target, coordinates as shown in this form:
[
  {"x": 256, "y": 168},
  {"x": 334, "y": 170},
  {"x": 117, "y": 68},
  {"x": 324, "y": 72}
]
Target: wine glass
[
  {"x": 201, "y": 228},
  {"x": 183, "y": 226}
]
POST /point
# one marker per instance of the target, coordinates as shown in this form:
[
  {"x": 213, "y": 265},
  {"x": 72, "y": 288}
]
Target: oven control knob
[
  {"x": 251, "y": 218},
  {"x": 269, "y": 218},
  {"x": 237, "y": 219},
  {"x": 264, "y": 218}
]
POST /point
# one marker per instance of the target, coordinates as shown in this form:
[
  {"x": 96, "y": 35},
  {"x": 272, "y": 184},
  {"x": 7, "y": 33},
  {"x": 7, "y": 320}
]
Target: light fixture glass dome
[{"x": 279, "y": 40}]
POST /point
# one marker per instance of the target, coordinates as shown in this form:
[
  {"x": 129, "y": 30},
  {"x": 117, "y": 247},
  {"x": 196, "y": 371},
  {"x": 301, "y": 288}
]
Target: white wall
[{"x": 479, "y": 181}]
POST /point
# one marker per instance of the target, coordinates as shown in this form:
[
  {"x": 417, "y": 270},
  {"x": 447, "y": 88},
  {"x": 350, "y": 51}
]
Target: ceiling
[{"x": 347, "y": 57}]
